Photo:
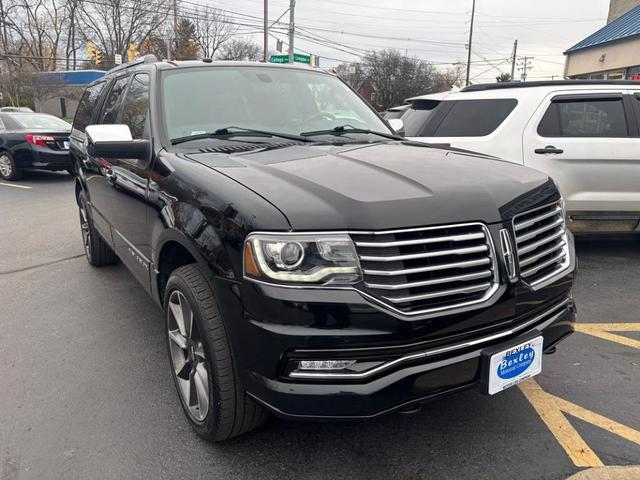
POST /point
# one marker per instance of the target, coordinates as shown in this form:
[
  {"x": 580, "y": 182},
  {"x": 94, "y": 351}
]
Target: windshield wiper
[
  {"x": 234, "y": 131},
  {"x": 345, "y": 129}
]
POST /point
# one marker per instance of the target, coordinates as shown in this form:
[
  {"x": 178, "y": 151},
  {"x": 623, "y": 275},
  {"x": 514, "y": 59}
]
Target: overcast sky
[{"x": 434, "y": 30}]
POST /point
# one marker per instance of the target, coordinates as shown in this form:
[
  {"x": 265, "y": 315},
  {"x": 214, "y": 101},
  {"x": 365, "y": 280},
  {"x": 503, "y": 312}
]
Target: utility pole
[
  {"x": 266, "y": 30},
  {"x": 513, "y": 60},
  {"x": 473, "y": 14},
  {"x": 524, "y": 66},
  {"x": 175, "y": 25},
  {"x": 292, "y": 6}
]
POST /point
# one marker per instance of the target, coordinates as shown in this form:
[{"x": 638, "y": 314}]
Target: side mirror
[
  {"x": 398, "y": 125},
  {"x": 115, "y": 141}
]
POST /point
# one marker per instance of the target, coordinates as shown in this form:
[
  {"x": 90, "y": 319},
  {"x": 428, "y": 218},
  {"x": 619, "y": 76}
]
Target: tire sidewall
[
  {"x": 15, "y": 174},
  {"x": 82, "y": 199},
  {"x": 212, "y": 419}
]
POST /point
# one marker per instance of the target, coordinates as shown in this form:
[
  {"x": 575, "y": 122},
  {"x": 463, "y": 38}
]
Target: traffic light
[
  {"x": 91, "y": 50},
  {"x": 132, "y": 52},
  {"x": 98, "y": 57}
]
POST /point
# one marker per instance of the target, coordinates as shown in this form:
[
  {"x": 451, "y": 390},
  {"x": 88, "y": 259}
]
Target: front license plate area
[{"x": 507, "y": 365}]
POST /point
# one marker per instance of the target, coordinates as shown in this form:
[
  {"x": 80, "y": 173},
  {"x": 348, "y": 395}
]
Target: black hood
[{"x": 381, "y": 186}]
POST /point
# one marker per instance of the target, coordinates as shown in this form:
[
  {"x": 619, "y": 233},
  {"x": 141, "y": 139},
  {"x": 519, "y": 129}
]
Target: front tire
[
  {"x": 96, "y": 249},
  {"x": 202, "y": 363},
  {"x": 8, "y": 169}
]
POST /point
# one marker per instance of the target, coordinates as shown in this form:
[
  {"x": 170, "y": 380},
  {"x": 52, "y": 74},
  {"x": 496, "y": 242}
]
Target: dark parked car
[
  {"x": 311, "y": 265},
  {"x": 32, "y": 141}
]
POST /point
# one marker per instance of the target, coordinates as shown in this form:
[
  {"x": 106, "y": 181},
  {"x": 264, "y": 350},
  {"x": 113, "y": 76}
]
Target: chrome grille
[
  {"x": 541, "y": 241},
  {"x": 428, "y": 269}
]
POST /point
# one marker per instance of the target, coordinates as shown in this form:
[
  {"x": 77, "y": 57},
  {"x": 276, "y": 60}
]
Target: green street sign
[{"x": 297, "y": 57}]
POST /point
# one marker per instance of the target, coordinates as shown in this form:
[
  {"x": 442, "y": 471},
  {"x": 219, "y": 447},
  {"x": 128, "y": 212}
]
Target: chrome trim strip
[
  {"x": 440, "y": 350},
  {"x": 421, "y": 241},
  {"x": 425, "y": 283},
  {"x": 430, "y": 268}
]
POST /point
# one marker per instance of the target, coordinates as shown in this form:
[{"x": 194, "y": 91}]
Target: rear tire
[
  {"x": 96, "y": 249},
  {"x": 201, "y": 355},
  {"x": 8, "y": 169}
]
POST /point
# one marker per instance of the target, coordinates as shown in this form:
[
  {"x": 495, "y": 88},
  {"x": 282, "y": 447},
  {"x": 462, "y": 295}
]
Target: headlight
[{"x": 301, "y": 258}]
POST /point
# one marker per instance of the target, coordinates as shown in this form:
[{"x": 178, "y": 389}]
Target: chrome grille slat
[
  {"x": 540, "y": 266},
  {"x": 539, "y": 218},
  {"x": 437, "y": 281},
  {"x": 534, "y": 233},
  {"x": 428, "y": 269},
  {"x": 541, "y": 242},
  {"x": 544, "y": 253},
  {"x": 432, "y": 268},
  {"x": 420, "y": 241},
  {"x": 532, "y": 246},
  {"x": 416, "y": 256}
]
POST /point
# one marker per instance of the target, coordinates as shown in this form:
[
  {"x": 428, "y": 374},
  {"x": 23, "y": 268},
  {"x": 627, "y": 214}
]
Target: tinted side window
[
  {"x": 585, "y": 118},
  {"x": 113, "y": 101},
  {"x": 136, "y": 105},
  {"x": 87, "y": 105},
  {"x": 415, "y": 118},
  {"x": 474, "y": 118}
]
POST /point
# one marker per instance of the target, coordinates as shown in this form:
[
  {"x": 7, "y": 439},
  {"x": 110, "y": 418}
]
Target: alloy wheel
[
  {"x": 86, "y": 231},
  {"x": 5, "y": 166},
  {"x": 188, "y": 358}
]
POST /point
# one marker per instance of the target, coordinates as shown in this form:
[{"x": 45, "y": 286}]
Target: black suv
[{"x": 310, "y": 263}]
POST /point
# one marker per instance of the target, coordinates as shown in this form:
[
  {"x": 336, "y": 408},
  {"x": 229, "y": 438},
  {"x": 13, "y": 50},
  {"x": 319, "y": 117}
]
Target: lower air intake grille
[
  {"x": 542, "y": 244},
  {"x": 428, "y": 269}
]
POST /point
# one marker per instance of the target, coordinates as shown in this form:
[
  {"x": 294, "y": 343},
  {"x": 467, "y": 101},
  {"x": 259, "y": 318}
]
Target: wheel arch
[{"x": 173, "y": 251}]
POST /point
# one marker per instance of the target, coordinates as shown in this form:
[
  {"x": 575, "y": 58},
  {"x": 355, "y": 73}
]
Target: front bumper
[{"x": 409, "y": 365}]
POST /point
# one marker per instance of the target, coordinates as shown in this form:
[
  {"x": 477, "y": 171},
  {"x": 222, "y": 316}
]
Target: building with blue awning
[
  {"x": 613, "y": 52},
  {"x": 59, "y": 92}
]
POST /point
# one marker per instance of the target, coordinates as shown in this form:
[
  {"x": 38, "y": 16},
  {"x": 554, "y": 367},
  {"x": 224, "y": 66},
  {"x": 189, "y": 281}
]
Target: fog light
[{"x": 325, "y": 364}]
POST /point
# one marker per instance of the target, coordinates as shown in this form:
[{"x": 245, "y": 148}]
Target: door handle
[
  {"x": 548, "y": 149},
  {"x": 110, "y": 176}
]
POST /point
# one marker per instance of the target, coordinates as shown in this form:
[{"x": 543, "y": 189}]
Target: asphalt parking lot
[{"x": 85, "y": 388}]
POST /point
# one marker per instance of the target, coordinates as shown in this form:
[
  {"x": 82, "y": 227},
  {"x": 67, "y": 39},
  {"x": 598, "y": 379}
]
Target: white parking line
[{"x": 14, "y": 186}]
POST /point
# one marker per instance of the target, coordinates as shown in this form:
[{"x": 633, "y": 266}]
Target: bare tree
[
  {"x": 240, "y": 49},
  {"x": 35, "y": 30},
  {"x": 114, "y": 24},
  {"x": 213, "y": 29},
  {"x": 396, "y": 77}
]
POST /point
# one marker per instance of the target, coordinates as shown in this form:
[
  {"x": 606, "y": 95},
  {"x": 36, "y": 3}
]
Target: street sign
[
  {"x": 297, "y": 57},
  {"x": 117, "y": 57}
]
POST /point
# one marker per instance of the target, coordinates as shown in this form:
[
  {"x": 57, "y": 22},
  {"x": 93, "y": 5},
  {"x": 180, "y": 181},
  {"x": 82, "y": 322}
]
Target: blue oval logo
[{"x": 516, "y": 362}]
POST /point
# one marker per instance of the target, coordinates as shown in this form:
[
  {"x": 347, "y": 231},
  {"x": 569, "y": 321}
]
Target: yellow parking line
[
  {"x": 14, "y": 185},
  {"x": 577, "y": 449},
  {"x": 552, "y": 411},
  {"x": 603, "y": 330}
]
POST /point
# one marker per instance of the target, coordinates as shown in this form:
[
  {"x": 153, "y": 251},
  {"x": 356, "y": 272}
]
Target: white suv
[{"x": 584, "y": 134}]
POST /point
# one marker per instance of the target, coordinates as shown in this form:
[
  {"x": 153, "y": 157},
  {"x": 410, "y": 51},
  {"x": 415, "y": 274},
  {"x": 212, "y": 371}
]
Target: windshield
[
  {"x": 42, "y": 121},
  {"x": 284, "y": 100}
]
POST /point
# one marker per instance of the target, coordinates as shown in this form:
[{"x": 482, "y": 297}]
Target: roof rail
[
  {"x": 544, "y": 83},
  {"x": 138, "y": 61}
]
